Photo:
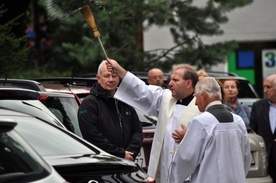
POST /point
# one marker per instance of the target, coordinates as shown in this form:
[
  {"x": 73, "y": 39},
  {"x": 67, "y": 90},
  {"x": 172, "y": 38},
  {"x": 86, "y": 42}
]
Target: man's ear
[{"x": 190, "y": 83}]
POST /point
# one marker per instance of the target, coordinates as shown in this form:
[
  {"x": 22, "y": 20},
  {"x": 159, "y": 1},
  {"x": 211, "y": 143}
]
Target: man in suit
[
  {"x": 215, "y": 148},
  {"x": 263, "y": 121}
]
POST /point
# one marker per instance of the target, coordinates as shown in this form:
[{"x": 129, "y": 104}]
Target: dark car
[
  {"x": 65, "y": 106},
  {"x": 22, "y": 83},
  {"x": 78, "y": 85},
  {"x": 75, "y": 159},
  {"x": 26, "y": 101},
  {"x": 60, "y": 107},
  {"x": 19, "y": 162}
]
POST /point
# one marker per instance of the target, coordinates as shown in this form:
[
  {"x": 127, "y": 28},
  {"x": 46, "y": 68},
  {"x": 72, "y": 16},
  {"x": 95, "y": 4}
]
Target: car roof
[
  {"x": 58, "y": 94},
  {"x": 22, "y": 83},
  {"x": 9, "y": 112},
  {"x": 68, "y": 81},
  {"x": 26, "y": 101},
  {"x": 18, "y": 93}
]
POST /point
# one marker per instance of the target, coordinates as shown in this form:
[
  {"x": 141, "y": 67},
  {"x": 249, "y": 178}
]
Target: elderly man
[
  {"x": 215, "y": 148},
  {"x": 108, "y": 123},
  {"x": 263, "y": 121},
  {"x": 156, "y": 77},
  {"x": 174, "y": 107}
]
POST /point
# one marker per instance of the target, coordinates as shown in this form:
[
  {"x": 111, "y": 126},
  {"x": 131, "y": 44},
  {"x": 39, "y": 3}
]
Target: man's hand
[
  {"x": 128, "y": 155},
  {"x": 179, "y": 134},
  {"x": 114, "y": 67}
]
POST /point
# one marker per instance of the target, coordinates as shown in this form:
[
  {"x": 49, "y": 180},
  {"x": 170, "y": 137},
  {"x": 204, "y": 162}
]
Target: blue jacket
[{"x": 243, "y": 111}]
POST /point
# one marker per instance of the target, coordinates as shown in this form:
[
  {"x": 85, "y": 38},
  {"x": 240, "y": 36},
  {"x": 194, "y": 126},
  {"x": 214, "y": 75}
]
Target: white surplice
[
  {"x": 155, "y": 101},
  {"x": 212, "y": 152}
]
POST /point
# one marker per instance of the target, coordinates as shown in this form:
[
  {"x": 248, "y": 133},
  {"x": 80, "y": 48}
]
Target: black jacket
[
  {"x": 259, "y": 122},
  {"x": 100, "y": 123}
]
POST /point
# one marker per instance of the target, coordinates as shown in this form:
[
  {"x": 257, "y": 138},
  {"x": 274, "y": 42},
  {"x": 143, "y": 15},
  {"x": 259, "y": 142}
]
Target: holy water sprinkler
[{"x": 87, "y": 13}]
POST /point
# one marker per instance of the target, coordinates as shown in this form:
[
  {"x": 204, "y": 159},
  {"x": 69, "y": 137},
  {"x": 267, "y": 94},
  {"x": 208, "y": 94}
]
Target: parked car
[
  {"x": 26, "y": 101},
  {"x": 78, "y": 85},
  {"x": 62, "y": 106},
  {"x": 75, "y": 159},
  {"x": 19, "y": 162},
  {"x": 22, "y": 83},
  {"x": 65, "y": 106}
]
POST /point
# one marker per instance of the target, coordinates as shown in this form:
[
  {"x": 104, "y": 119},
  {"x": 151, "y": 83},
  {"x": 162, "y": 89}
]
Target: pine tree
[
  {"x": 13, "y": 51},
  {"x": 121, "y": 25}
]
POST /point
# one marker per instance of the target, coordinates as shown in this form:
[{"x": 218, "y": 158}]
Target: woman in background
[{"x": 230, "y": 89}]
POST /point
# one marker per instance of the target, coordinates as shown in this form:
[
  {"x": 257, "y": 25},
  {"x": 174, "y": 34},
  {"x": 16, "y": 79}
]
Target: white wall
[{"x": 254, "y": 22}]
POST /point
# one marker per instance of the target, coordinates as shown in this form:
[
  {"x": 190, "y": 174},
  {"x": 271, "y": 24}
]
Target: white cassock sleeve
[
  {"x": 134, "y": 92},
  {"x": 188, "y": 153}
]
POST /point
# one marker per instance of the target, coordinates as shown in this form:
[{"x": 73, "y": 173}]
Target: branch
[{"x": 169, "y": 50}]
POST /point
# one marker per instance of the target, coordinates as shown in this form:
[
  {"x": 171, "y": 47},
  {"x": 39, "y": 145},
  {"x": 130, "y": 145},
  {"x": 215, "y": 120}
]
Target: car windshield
[
  {"x": 49, "y": 140},
  {"x": 18, "y": 161}
]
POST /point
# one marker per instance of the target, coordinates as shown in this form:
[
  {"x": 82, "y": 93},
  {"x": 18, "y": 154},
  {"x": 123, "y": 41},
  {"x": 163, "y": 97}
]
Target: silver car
[{"x": 19, "y": 162}]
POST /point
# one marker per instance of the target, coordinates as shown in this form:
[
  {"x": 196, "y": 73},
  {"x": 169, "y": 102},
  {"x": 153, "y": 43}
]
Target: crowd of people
[{"x": 199, "y": 122}]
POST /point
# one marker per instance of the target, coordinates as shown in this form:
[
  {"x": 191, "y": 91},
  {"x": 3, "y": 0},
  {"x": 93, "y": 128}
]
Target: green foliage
[
  {"x": 13, "y": 52},
  {"x": 119, "y": 23}
]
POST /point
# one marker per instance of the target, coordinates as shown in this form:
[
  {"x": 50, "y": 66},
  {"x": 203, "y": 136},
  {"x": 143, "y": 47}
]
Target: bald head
[
  {"x": 269, "y": 87},
  {"x": 155, "y": 77}
]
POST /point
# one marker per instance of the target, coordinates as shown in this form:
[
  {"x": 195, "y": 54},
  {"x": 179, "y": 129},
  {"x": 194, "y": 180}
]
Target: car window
[
  {"x": 18, "y": 160},
  {"x": 32, "y": 107},
  {"x": 246, "y": 90},
  {"x": 65, "y": 108},
  {"x": 54, "y": 143}
]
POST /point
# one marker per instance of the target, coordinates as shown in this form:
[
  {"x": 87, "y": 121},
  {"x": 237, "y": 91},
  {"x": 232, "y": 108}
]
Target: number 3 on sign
[
  {"x": 269, "y": 62},
  {"x": 271, "y": 57}
]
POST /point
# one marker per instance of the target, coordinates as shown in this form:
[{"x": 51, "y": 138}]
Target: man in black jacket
[
  {"x": 108, "y": 123},
  {"x": 263, "y": 121}
]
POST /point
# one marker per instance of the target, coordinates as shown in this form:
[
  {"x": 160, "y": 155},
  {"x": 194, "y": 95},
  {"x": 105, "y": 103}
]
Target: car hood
[
  {"x": 96, "y": 168},
  {"x": 82, "y": 159}
]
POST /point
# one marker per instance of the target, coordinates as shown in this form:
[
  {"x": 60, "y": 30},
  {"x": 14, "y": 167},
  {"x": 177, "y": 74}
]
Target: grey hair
[
  {"x": 100, "y": 66},
  {"x": 210, "y": 86}
]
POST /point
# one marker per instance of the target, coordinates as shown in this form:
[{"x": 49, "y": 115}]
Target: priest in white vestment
[
  {"x": 173, "y": 107},
  {"x": 215, "y": 148}
]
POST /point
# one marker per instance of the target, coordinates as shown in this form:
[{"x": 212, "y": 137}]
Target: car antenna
[
  {"x": 6, "y": 79},
  {"x": 72, "y": 83}
]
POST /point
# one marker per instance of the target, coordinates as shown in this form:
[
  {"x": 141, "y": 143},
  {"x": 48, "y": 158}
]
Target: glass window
[
  {"x": 18, "y": 161},
  {"x": 51, "y": 140}
]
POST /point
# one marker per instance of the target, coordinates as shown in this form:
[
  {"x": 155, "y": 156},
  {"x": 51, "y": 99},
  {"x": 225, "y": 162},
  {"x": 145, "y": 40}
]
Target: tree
[
  {"x": 188, "y": 23},
  {"x": 121, "y": 24},
  {"x": 13, "y": 52}
]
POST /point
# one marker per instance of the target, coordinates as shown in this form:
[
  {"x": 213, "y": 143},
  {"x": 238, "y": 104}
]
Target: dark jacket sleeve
[
  {"x": 88, "y": 116},
  {"x": 253, "y": 118},
  {"x": 136, "y": 140}
]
